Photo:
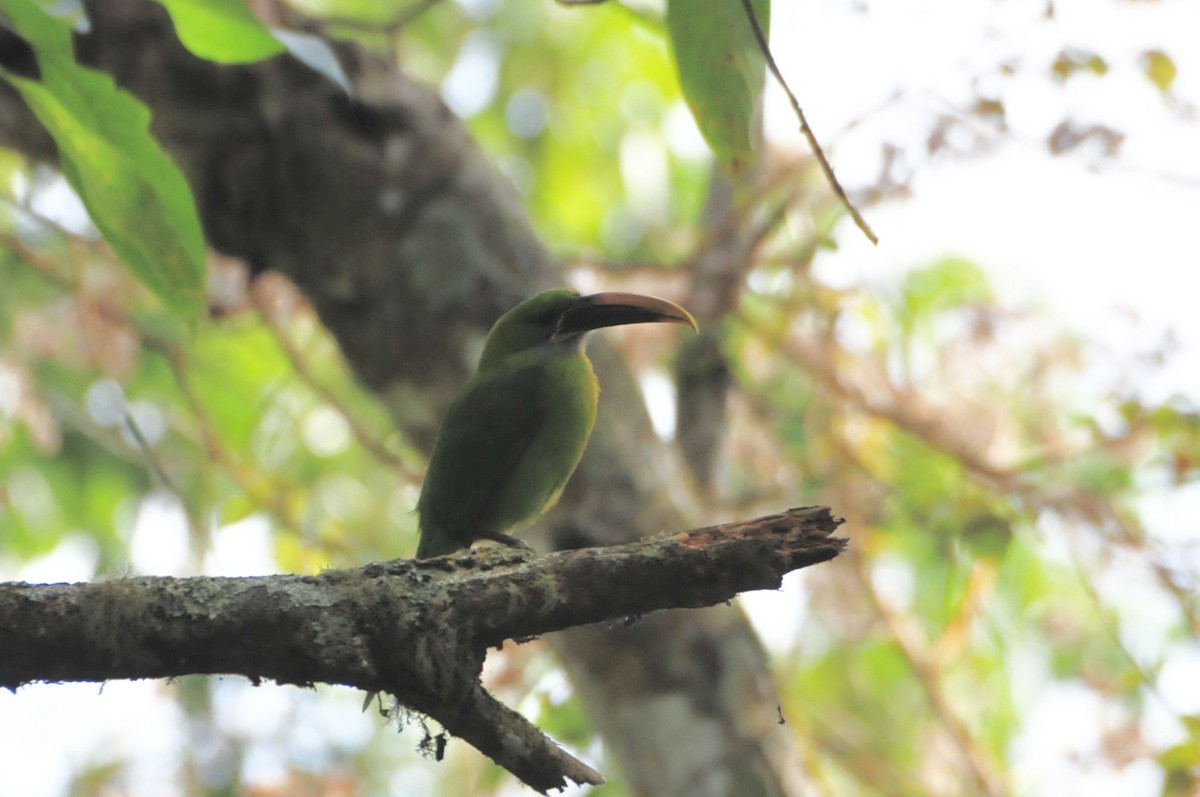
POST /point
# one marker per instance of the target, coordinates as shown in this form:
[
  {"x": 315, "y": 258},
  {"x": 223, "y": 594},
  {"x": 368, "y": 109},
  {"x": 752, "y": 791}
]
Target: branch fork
[{"x": 418, "y": 630}]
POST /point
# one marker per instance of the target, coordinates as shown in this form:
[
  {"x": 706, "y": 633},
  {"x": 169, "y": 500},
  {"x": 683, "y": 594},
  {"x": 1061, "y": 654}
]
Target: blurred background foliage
[{"x": 1003, "y": 588}]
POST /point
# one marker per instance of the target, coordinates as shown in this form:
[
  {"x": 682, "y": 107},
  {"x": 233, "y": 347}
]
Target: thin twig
[
  {"x": 859, "y": 221},
  {"x": 299, "y": 364},
  {"x": 135, "y": 431}
]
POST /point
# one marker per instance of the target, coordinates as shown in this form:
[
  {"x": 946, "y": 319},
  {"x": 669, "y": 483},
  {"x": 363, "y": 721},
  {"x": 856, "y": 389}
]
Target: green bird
[{"x": 516, "y": 433}]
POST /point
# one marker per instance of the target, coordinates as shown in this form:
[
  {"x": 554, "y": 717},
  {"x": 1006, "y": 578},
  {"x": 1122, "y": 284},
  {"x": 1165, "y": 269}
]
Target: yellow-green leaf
[
  {"x": 1159, "y": 68},
  {"x": 721, "y": 70},
  {"x": 222, "y": 30},
  {"x": 132, "y": 190},
  {"x": 225, "y": 31}
]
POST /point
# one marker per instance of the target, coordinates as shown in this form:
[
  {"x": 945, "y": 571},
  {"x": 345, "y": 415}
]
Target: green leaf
[
  {"x": 222, "y": 30},
  {"x": 987, "y": 536},
  {"x": 1071, "y": 61},
  {"x": 133, "y": 192},
  {"x": 720, "y": 70},
  {"x": 948, "y": 284},
  {"x": 944, "y": 285},
  {"x": 1101, "y": 472},
  {"x": 566, "y": 721},
  {"x": 233, "y": 367},
  {"x": 225, "y": 31}
]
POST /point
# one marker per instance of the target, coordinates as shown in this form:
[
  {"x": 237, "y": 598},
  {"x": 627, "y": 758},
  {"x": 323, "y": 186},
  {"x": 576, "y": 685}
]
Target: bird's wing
[{"x": 479, "y": 457}]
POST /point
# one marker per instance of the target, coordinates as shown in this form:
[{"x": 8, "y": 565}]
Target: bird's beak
[{"x": 615, "y": 309}]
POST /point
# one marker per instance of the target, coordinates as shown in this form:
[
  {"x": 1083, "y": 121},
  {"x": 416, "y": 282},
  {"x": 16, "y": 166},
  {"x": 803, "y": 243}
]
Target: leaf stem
[{"x": 859, "y": 221}]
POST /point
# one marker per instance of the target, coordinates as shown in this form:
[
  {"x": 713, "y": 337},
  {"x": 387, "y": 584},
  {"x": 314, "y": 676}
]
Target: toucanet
[{"x": 513, "y": 437}]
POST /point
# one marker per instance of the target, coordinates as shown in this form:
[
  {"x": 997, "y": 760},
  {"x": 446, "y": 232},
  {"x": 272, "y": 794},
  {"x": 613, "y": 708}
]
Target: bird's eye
[{"x": 546, "y": 318}]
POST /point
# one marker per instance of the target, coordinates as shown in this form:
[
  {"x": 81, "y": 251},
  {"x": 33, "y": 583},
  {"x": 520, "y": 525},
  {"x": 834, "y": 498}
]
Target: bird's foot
[{"x": 509, "y": 541}]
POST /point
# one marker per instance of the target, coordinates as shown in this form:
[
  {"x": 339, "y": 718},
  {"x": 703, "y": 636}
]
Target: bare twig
[{"x": 859, "y": 221}]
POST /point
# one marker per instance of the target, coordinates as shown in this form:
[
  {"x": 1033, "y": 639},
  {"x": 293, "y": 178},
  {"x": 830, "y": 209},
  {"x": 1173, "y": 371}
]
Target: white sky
[{"x": 1082, "y": 238}]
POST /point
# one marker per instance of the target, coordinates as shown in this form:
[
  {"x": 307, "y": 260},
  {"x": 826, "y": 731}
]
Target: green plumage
[
  {"x": 508, "y": 446},
  {"x": 512, "y": 439}
]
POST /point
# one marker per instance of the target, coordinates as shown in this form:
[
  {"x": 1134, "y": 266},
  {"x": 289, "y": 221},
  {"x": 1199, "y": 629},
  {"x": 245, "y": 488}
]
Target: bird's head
[{"x": 559, "y": 319}]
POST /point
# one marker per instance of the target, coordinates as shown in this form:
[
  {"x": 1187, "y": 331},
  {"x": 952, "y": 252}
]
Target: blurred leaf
[
  {"x": 1159, "y": 68},
  {"x": 1071, "y": 61},
  {"x": 949, "y": 283},
  {"x": 1069, "y": 135},
  {"x": 837, "y": 692},
  {"x": 1182, "y": 763},
  {"x": 77, "y": 490},
  {"x": 928, "y": 483},
  {"x": 227, "y": 32},
  {"x": 232, "y": 368},
  {"x": 721, "y": 70},
  {"x": 30, "y": 522},
  {"x": 987, "y": 537},
  {"x": 989, "y": 107},
  {"x": 365, "y": 12},
  {"x": 1178, "y": 429},
  {"x": 566, "y": 721},
  {"x": 224, "y": 31},
  {"x": 1101, "y": 472},
  {"x": 131, "y": 189},
  {"x": 237, "y": 507}
]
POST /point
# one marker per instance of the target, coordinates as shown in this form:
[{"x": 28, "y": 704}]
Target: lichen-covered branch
[{"x": 416, "y": 629}]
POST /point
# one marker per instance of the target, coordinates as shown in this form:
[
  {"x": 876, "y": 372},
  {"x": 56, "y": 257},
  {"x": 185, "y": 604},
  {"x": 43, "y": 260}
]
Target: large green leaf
[
  {"x": 225, "y": 31},
  {"x": 222, "y": 30},
  {"x": 721, "y": 70},
  {"x": 133, "y": 192}
]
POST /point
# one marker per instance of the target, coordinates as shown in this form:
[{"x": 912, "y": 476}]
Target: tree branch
[{"x": 417, "y": 629}]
